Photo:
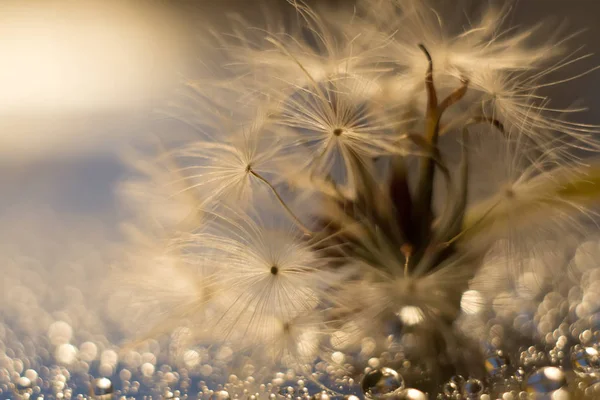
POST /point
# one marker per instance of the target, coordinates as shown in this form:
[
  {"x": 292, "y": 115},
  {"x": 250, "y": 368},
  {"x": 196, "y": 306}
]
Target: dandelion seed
[
  {"x": 334, "y": 118},
  {"x": 227, "y": 170},
  {"x": 269, "y": 274}
]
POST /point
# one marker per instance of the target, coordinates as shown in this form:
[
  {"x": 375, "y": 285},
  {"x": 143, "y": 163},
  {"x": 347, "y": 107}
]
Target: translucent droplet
[
  {"x": 519, "y": 374},
  {"x": 451, "y": 389},
  {"x": 321, "y": 396},
  {"x": 220, "y": 395},
  {"x": 533, "y": 357},
  {"x": 545, "y": 380},
  {"x": 458, "y": 380},
  {"x": 23, "y": 384},
  {"x": 473, "y": 388},
  {"x": 373, "y": 362},
  {"x": 496, "y": 364},
  {"x": 147, "y": 369},
  {"x": 410, "y": 394},
  {"x": 381, "y": 383},
  {"x": 31, "y": 374},
  {"x": 585, "y": 360},
  {"x": 103, "y": 388}
]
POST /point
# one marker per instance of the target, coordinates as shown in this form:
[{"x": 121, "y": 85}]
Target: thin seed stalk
[{"x": 290, "y": 213}]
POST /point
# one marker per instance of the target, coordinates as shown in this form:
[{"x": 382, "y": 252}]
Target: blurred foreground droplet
[
  {"x": 545, "y": 380},
  {"x": 103, "y": 388},
  {"x": 585, "y": 359},
  {"x": 382, "y": 383},
  {"x": 410, "y": 394}
]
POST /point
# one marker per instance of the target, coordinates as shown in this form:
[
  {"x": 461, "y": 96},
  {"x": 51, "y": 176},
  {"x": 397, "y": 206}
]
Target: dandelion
[
  {"x": 240, "y": 281},
  {"x": 236, "y": 168},
  {"x": 411, "y": 162},
  {"x": 335, "y": 118}
]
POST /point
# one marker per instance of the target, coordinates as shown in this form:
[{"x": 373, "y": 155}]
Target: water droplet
[
  {"x": 103, "y": 388},
  {"x": 373, "y": 362},
  {"x": 451, "y": 389},
  {"x": 410, "y": 394},
  {"x": 459, "y": 380},
  {"x": 585, "y": 359},
  {"x": 473, "y": 387},
  {"x": 533, "y": 357},
  {"x": 381, "y": 383},
  {"x": 23, "y": 384},
  {"x": 147, "y": 369},
  {"x": 496, "y": 364},
  {"x": 31, "y": 374},
  {"x": 220, "y": 395},
  {"x": 321, "y": 396},
  {"x": 520, "y": 374},
  {"x": 338, "y": 357},
  {"x": 545, "y": 380}
]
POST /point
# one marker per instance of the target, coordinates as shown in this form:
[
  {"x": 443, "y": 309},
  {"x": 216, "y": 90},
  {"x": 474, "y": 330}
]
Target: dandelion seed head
[
  {"x": 336, "y": 116},
  {"x": 224, "y": 171}
]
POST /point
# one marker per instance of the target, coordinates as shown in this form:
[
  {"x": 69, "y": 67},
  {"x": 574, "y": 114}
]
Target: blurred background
[{"x": 79, "y": 80}]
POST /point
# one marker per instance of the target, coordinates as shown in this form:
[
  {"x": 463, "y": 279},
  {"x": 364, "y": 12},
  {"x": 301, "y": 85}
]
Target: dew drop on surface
[
  {"x": 473, "y": 387},
  {"x": 451, "y": 389},
  {"x": 147, "y": 369},
  {"x": 519, "y": 374},
  {"x": 321, "y": 396},
  {"x": 585, "y": 336},
  {"x": 373, "y": 362},
  {"x": 60, "y": 332},
  {"x": 220, "y": 395},
  {"x": 585, "y": 360},
  {"x": 459, "y": 380},
  {"x": 103, "y": 387},
  {"x": 496, "y": 364},
  {"x": 410, "y": 394},
  {"x": 125, "y": 374},
  {"x": 23, "y": 384},
  {"x": 338, "y": 357},
  {"x": 88, "y": 351},
  {"x": 32, "y": 374},
  {"x": 66, "y": 353},
  {"x": 381, "y": 383},
  {"x": 561, "y": 394},
  {"x": 545, "y": 380}
]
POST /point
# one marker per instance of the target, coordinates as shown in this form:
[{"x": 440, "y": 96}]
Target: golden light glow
[{"x": 69, "y": 66}]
